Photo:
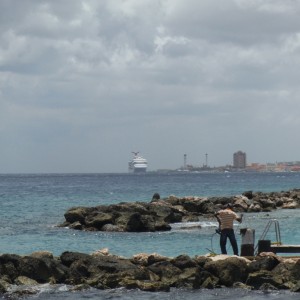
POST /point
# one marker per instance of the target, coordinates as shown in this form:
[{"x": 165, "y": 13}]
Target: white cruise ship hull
[{"x": 138, "y": 164}]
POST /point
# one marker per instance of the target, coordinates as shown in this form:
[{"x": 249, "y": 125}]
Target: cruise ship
[{"x": 138, "y": 164}]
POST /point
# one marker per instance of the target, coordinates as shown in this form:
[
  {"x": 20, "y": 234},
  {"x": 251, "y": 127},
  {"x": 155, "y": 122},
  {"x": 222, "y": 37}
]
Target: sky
[{"x": 83, "y": 83}]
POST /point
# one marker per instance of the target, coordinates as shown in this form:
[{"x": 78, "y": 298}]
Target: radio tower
[{"x": 184, "y": 162}]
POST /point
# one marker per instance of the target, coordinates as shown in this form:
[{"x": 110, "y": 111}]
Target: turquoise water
[{"x": 33, "y": 204}]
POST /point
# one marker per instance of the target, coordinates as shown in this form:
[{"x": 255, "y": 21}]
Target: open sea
[{"x": 31, "y": 205}]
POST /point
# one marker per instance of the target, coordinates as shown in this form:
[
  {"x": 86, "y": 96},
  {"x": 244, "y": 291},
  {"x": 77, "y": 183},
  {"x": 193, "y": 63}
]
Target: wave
[{"x": 193, "y": 225}]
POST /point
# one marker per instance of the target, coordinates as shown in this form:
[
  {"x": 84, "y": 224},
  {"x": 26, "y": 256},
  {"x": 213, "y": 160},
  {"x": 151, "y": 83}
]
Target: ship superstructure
[{"x": 138, "y": 164}]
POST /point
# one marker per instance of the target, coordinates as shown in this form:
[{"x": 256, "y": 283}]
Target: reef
[{"x": 158, "y": 214}]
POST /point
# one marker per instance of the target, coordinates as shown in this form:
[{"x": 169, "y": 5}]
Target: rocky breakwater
[
  {"x": 148, "y": 272},
  {"x": 158, "y": 214}
]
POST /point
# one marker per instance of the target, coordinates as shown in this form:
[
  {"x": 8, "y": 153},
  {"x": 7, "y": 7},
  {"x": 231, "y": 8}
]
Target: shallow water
[{"x": 61, "y": 292}]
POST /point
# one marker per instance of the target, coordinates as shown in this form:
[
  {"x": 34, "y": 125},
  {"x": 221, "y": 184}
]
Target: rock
[
  {"x": 267, "y": 287},
  {"x": 112, "y": 228},
  {"x": 183, "y": 262},
  {"x": 75, "y": 214},
  {"x": 155, "y": 197},
  {"x": 4, "y": 284},
  {"x": 164, "y": 269},
  {"x": 101, "y": 252},
  {"x": 166, "y": 213},
  {"x": 290, "y": 205},
  {"x": 160, "y": 213},
  {"x": 206, "y": 280},
  {"x": 267, "y": 204},
  {"x": 23, "y": 280},
  {"x": 240, "y": 285},
  {"x": 148, "y": 272},
  {"x": 254, "y": 207},
  {"x": 155, "y": 258},
  {"x": 9, "y": 265},
  {"x": 99, "y": 220},
  {"x": 296, "y": 287},
  {"x": 141, "y": 259},
  {"x": 137, "y": 224},
  {"x": 260, "y": 278},
  {"x": 229, "y": 270},
  {"x": 295, "y": 271},
  {"x": 42, "y": 254},
  {"x": 241, "y": 204},
  {"x": 153, "y": 286},
  {"x": 162, "y": 226},
  {"x": 202, "y": 260},
  {"x": 42, "y": 270},
  {"x": 189, "y": 278},
  {"x": 248, "y": 194},
  {"x": 67, "y": 258},
  {"x": 76, "y": 225},
  {"x": 263, "y": 263}
]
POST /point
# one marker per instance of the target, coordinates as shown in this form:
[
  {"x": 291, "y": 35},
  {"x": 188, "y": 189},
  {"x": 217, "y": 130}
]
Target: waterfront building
[{"x": 239, "y": 160}]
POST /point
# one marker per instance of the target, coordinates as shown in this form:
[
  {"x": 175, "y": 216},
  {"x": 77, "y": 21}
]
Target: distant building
[{"x": 239, "y": 160}]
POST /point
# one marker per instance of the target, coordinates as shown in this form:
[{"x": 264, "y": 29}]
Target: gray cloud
[{"x": 84, "y": 83}]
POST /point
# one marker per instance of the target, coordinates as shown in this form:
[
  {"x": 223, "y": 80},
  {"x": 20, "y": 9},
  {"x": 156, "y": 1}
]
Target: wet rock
[
  {"x": 296, "y": 287},
  {"x": 76, "y": 225},
  {"x": 206, "y": 280},
  {"x": 4, "y": 284},
  {"x": 262, "y": 277},
  {"x": 23, "y": 280},
  {"x": 267, "y": 287}
]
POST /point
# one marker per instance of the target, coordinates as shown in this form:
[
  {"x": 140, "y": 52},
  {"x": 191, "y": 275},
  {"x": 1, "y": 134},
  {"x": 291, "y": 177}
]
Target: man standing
[{"x": 225, "y": 218}]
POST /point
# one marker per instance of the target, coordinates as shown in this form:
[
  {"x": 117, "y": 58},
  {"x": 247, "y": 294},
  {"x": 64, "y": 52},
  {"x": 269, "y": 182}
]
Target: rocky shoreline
[
  {"x": 20, "y": 275},
  {"x": 158, "y": 214},
  {"x": 147, "y": 272}
]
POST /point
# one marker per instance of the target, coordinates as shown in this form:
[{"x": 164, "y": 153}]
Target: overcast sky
[{"x": 83, "y": 83}]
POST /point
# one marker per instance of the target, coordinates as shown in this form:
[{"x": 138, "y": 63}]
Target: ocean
[{"x": 33, "y": 204}]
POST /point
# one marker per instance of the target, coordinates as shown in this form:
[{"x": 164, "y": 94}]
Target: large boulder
[
  {"x": 43, "y": 270},
  {"x": 263, "y": 263},
  {"x": 229, "y": 270},
  {"x": 262, "y": 277},
  {"x": 77, "y": 214},
  {"x": 98, "y": 220}
]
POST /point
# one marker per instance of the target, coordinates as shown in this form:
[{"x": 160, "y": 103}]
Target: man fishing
[{"x": 225, "y": 218}]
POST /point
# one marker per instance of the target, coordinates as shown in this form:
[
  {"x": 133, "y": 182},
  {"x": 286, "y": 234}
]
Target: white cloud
[{"x": 83, "y": 83}]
